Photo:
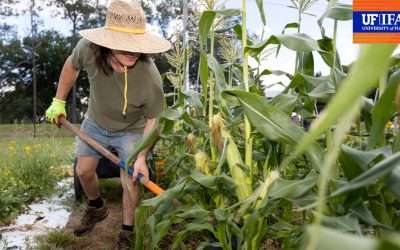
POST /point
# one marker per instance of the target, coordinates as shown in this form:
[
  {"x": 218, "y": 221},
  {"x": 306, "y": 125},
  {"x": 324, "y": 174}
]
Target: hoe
[{"x": 110, "y": 156}]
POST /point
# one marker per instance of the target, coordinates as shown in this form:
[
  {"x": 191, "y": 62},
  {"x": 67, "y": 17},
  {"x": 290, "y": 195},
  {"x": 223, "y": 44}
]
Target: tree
[
  {"x": 6, "y": 8},
  {"x": 13, "y": 102},
  {"x": 34, "y": 24},
  {"x": 12, "y": 57},
  {"x": 7, "y": 32},
  {"x": 16, "y": 73},
  {"x": 161, "y": 14}
]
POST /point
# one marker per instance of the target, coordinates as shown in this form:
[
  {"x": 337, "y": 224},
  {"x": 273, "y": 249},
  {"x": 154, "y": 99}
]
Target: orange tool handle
[{"x": 154, "y": 188}]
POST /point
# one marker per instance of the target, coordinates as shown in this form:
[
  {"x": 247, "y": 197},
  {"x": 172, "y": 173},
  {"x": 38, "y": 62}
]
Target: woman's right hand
[{"x": 56, "y": 109}]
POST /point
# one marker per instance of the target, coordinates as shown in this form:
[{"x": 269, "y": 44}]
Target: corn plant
[{"x": 241, "y": 174}]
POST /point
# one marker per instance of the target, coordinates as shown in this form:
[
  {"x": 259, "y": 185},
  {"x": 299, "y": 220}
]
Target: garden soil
[{"x": 105, "y": 233}]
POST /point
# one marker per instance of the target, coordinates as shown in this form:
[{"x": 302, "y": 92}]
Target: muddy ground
[{"x": 105, "y": 233}]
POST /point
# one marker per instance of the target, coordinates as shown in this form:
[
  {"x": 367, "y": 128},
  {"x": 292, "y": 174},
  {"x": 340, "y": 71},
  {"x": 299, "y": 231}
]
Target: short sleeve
[
  {"x": 79, "y": 55},
  {"x": 155, "y": 101}
]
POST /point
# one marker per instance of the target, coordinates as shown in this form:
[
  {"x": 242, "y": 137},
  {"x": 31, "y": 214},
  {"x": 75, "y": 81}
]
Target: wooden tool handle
[{"x": 157, "y": 190}]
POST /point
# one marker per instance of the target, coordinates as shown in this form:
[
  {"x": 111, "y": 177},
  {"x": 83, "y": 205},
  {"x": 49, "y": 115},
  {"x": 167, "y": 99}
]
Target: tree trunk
[{"x": 34, "y": 81}]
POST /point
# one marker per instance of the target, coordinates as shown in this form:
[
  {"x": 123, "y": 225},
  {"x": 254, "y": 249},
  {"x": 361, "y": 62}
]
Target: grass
[
  {"x": 43, "y": 130},
  {"x": 30, "y": 167},
  {"x": 57, "y": 239}
]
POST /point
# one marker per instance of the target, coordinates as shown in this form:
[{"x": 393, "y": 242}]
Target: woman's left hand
[{"x": 140, "y": 166}]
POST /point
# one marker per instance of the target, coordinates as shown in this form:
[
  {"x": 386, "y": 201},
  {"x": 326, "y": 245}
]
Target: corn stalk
[{"x": 247, "y": 127}]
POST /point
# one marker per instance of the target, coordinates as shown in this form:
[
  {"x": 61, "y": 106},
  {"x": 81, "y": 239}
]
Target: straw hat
[{"x": 125, "y": 29}]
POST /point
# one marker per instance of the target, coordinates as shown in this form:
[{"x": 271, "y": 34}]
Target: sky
[{"x": 277, "y": 13}]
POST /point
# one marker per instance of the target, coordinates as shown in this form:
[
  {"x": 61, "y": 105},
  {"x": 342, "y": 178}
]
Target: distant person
[{"x": 125, "y": 98}]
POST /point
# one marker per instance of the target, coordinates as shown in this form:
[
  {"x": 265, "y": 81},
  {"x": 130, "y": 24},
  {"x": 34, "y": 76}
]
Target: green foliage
[
  {"x": 331, "y": 239},
  {"x": 15, "y": 71},
  {"x": 29, "y": 172},
  {"x": 57, "y": 239},
  {"x": 82, "y": 14},
  {"x": 370, "y": 54},
  {"x": 370, "y": 176},
  {"x": 352, "y": 195},
  {"x": 260, "y": 6},
  {"x": 272, "y": 123},
  {"x": 383, "y": 111}
]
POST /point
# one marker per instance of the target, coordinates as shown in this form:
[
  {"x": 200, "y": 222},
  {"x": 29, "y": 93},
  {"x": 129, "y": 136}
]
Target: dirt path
[{"x": 105, "y": 233}]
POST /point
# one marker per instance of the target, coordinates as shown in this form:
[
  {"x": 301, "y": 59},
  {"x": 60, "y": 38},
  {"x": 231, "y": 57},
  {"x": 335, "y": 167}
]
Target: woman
[{"x": 125, "y": 97}]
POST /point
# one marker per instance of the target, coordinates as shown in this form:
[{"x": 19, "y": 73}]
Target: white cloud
[{"x": 6, "y": 89}]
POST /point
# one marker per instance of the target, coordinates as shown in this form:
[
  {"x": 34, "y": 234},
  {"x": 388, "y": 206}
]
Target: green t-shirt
[{"x": 106, "y": 101}]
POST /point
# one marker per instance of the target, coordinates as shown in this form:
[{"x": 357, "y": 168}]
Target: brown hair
[{"x": 101, "y": 55}]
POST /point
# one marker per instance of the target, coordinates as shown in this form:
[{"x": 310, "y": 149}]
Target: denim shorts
[{"x": 121, "y": 142}]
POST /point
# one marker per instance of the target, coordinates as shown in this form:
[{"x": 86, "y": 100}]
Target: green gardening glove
[{"x": 56, "y": 109}]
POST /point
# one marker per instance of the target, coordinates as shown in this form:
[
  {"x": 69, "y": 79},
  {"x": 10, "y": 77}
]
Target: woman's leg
[
  {"x": 124, "y": 144},
  {"x": 88, "y": 159},
  {"x": 130, "y": 199},
  {"x": 86, "y": 170}
]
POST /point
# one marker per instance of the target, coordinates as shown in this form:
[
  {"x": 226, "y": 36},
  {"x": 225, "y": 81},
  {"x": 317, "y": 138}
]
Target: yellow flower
[
  {"x": 28, "y": 149},
  {"x": 7, "y": 172},
  {"x": 389, "y": 125}
]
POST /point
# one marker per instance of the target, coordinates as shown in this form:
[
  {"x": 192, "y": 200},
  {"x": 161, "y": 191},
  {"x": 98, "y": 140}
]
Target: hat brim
[{"x": 146, "y": 43}]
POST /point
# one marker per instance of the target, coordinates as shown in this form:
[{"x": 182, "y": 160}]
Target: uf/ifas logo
[{"x": 380, "y": 19}]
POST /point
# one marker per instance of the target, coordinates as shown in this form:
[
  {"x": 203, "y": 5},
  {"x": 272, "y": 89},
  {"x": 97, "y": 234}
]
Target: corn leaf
[
  {"x": 383, "y": 111},
  {"x": 339, "y": 11},
  {"x": 206, "y": 21},
  {"x": 146, "y": 141},
  {"x": 272, "y": 122},
  {"x": 213, "y": 182},
  {"x": 189, "y": 229},
  {"x": 290, "y": 26},
  {"x": 346, "y": 223},
  {"x": 203, "y": 72},
  {"x": 365, "y": 215},
  {"x": 306, "y": 65},
  {"x": 293, "y": 189},
  {"x": 228, "y": 12},
  {"x": 354, "y": 162},
  {"x": 298, "y": 42},
  {"x": 375, "y": 58},
  {"x": 260, "y": 6},
  {"x": 341, "y": 240},
  {"x": 326, "y": 53},
  {"x": 285, "y": 102},
  {"x": 219, "y": 73},
  {"x": 393, "y": 183},
  {"x": 371, "y": 176}
]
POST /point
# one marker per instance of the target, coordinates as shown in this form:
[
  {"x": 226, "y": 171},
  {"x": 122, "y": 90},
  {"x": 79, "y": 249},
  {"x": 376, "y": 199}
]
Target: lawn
[
  {"x": 31, "y": 167},
  {"x": 23, "y": 131}
]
